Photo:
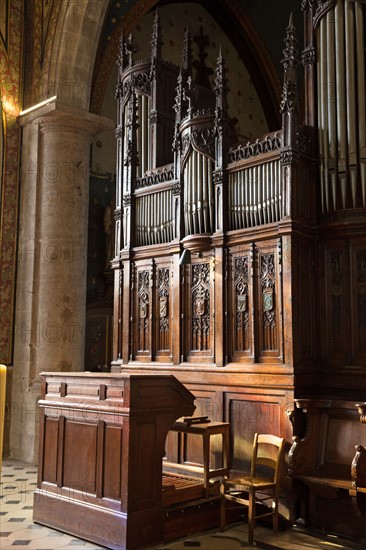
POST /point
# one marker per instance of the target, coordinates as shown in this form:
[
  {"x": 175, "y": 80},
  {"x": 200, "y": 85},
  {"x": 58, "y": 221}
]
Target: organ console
[{"x": 102, "y": 441}]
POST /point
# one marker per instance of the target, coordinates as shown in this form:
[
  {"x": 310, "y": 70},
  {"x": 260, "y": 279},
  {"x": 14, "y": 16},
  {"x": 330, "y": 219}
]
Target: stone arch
[{"x": 70, "y": 51}]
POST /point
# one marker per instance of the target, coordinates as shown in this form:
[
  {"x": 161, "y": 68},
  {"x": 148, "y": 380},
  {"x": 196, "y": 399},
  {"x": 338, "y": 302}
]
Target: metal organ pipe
[
  {"x": 154, "y": 223},
  {"x": 342, "y": 114},
  {"x": 331, "y": 105},
  {"x": 323, "y": 118},
  {"x": 254, "y": 195},
  {"x": 340, "y": 97},
  {"x": 139, "y": 171},
  {"x": 351, "y": 97},
  {"x": 198, "y": 194},
  {"x": 360, "y": 17},
  {"x": 143, "y": 106}
]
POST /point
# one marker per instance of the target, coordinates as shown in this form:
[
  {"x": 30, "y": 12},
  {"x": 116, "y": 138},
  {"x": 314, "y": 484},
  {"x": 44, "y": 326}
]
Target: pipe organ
[{"x": 240, "y": 268}]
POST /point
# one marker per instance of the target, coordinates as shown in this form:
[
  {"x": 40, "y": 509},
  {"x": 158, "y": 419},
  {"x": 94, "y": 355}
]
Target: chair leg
[
  {"x": 275, "y": 516},
  {"x": 222, "y": 508},
  {"x": 251, "y": 516}
]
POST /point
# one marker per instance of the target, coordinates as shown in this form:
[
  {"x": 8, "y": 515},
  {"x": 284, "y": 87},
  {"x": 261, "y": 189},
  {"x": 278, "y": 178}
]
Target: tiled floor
[{"x": 18, "y": 481}]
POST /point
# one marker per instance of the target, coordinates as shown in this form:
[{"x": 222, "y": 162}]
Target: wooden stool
[{"x": 203, "y": 427}]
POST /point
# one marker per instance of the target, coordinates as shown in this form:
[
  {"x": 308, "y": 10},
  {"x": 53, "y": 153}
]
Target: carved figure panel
[
  {"x": 143, "y": 310},
  {"x": 241, "y": 304},
  {"x": 163, "y": 308},
  {"x": 200, "y": 304},
  {"x": 268, "y": 304},
  {"x": 269, "y": 321}
]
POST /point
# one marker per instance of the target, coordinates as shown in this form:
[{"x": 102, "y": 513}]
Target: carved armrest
[
  {"x": 358, "y": 468},
  {"x": 362, "y": 411},
  {"x": 303, "y": 451}
]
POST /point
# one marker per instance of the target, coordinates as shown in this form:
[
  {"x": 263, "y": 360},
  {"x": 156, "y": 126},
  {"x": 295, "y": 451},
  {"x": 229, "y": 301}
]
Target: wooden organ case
[
  {"x": 211, "y": 242},
  {"x": 240, "y": 268}
]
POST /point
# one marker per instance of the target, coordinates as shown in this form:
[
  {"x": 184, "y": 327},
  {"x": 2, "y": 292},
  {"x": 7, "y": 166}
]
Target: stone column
[{"x": 52, "y": 258}]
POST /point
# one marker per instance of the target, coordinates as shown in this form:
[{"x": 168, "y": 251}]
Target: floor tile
[{"x": 18, "y": 481}]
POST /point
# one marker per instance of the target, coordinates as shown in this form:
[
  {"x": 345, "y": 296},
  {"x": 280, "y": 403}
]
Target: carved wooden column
[
  {"x": 289, "y": 157},
  {"x": 220, "y": 217},
  {"x": 308, "y": 57},
  {"x": 52, "y": 259},
  {"x": 157, "y": 99}
]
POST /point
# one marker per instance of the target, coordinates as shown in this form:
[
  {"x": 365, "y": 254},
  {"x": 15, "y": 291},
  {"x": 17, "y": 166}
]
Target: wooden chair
[{"x": 268, "y": 452}]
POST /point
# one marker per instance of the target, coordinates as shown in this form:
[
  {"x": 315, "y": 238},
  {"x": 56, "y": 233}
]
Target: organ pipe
[
  {"x": 330, "y": 104},
  {"x": 323, "y": 118},
  {"x": 198, "y": 194},
  {"x": 342, "y": 116},
  {"x": 254, "y": 195},
  {"x": 351, "y": 96}
]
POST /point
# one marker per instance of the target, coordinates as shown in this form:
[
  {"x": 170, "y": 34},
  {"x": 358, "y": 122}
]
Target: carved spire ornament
[
  {"x": 288, "y": 106},
  {"x": 187, "y": 52},
  {"x": 156, "y": 41}
]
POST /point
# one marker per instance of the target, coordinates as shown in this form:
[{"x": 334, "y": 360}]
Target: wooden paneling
[
  {"x": 199, "y": 328},
  {"x": 249, "y": 413},
  {"x": 358, "y": 300},
  {"x": 49, "y": 473},
  {"x": 269, "y": 302},
  {"x": 80, "y": 457},
  {"x": 241, "y": 335},
  {"x": 112, "y": 462}
]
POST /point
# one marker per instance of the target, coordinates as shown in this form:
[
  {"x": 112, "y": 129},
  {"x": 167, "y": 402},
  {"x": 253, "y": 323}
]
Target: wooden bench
[{"x": 329, "y": 478}]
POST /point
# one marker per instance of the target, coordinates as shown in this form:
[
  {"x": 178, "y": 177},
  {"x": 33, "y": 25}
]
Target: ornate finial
[
  {"x": 130, "y": 48},
  {"x": 290, "y": 54},
  {"x": 156, "y": 41},
  {"x": 121, "y": 52},
  {"x": 178, "y": 97},
  {"x": 187, "y": 52},
  {"x": 220, "y": 79},
  {"x": 290, "y": 62}
]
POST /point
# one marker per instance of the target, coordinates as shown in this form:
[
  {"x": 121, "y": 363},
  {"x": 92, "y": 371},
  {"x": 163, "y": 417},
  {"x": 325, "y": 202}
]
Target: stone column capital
[{"x": 55, "y": 116}]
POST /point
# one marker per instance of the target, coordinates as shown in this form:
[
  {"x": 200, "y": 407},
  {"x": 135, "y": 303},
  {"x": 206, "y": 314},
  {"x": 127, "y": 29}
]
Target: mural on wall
[
  {"x": 4, "y": 4},
  {"x": 11, "y": 14},
  {"x": 47, "y": 6}
]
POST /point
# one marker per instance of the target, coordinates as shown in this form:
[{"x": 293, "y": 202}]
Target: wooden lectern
[{"x": 102, "y": 440}]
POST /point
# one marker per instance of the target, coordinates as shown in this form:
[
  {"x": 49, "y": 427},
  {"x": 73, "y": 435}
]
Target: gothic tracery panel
[
  {"x": 143, "y": 310},
  {"x": 269, "y": 305},
  {"x": 163, "y": 309},
  {"x": 200, "y": 314}
]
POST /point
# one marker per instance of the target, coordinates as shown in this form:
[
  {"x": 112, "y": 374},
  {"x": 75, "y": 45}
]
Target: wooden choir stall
[{"x": 102, "y": 441}]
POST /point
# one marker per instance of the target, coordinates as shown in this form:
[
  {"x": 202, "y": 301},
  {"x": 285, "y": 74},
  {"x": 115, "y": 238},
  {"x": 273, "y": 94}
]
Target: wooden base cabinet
[{"x": 102, "y": 440}]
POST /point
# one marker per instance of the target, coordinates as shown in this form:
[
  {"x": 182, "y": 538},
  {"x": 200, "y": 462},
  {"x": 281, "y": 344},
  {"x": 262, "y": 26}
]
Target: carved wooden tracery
[
  {"x": 268, "y": 287},
  {"x": 200, "y": 299},
  {"x": 163, "y": 295},
  {"x": 241, "y": 282},
  {"x": 143, "y": 309}
]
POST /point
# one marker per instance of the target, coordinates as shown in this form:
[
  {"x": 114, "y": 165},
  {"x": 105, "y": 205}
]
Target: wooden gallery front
[{"x": 240, "y": 269}]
